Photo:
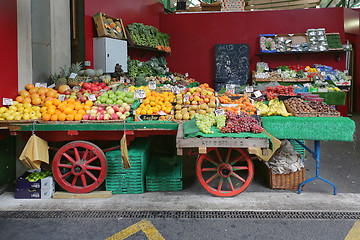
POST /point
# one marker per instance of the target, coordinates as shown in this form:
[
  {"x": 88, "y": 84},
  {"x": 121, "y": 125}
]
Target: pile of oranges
[
  {"x": 155, "y": 102},
  {"x": 35, "y": 95},
  {"x": 244, "y": 105},
  {"x": 68, "y": 110}
]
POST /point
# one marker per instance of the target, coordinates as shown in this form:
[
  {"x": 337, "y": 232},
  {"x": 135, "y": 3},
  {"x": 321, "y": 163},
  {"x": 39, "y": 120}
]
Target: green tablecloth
[
  {"x": 333, "y": 98},
  {"x": 310, "y": 128}
]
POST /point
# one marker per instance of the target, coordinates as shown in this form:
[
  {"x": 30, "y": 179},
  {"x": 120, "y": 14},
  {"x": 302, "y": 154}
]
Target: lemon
[
  {"x": 27, "y": 110},
  {"x": 20, "y": 109},
  {"x": 10, "y": 112},
  {"x": 19, "y": 105},
  {"x": 16, "y": 113},
  {"x": 27, "y": 105},
  {"x": 18, "y": 117},
  {"x": 38, "y": 114},
  {"x": 2, "y": 118},
  {"x": 10, "y": 117},
  {"x": 32, "y": 113},
  {"x": 26, "y": 116},
  {"x": 34, "y": 117},
  {"x": 15, "y": 102},
  {"x": 2, "y": 110}
]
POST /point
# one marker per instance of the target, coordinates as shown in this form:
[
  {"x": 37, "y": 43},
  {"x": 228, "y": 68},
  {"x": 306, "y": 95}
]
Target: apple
[
  {"x": 119, "y": 102},
  {"x": 116, "y": 108},
  {"x": 123, "y": 117},
  {"x": 86, "y": 85},
  {"x": 127, "y": 108},
  {"x": 100, "y": 116},
  {"x": 106, "y": 116},
  {"x": 109, "y": 101},
  {"x": 93, "y": 117},
  {"x": 86, "y": 116},
  {"x": 110, "y": 111},
  {"x": 96, "y": 83},
  {"x": 107, "y": 88},
  {"x": 114, "y": 116},
  {"x": 100, "y": 108},
  {"x": 88, "y": 112},
  {"x": 119, "y": 114},
  {"x": 122, "y": 109},
  {"x": 102, "y": 85},
  {"x": 127, "y": 114}
]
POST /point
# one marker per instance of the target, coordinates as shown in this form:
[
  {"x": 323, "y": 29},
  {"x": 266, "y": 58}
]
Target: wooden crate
[
  {"x": 103, "y": 28},
  {"x": 289, "y": 181}
]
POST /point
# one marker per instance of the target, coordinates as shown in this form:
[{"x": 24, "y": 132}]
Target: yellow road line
[
  {"x": 354, "y": 233},
  {"x": 144, "y": 225}
]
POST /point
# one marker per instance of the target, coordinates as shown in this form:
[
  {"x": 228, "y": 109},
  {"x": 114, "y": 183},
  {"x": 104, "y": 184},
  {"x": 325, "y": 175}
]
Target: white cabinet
[{"x": 108, "y": 52}]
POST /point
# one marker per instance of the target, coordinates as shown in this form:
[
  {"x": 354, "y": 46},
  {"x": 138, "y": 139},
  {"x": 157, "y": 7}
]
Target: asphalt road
[{"x": 103, "y": 228}]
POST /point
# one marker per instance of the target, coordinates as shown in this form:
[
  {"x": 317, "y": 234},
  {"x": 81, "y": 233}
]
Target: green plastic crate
[
  {"x": 164, "y": 174},
  {"x": 120, "y": 183},
  {"x": 297, "y": 147}
]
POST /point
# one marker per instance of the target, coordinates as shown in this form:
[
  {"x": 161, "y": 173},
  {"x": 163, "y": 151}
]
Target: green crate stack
[
  {"x": 132, "y": 180},
  {"x": 164, "y": 174},
  {"x": 297, "y": 147}
]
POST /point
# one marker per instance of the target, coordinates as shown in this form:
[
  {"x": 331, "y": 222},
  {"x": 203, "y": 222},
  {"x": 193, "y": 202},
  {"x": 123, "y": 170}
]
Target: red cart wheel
[
  {"x": 225, "y": 172},
  {"x": 79, "y": 167}
]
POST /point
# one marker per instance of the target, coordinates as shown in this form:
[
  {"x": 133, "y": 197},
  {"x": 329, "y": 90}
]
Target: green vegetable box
[{"x": 35, "y": 185}]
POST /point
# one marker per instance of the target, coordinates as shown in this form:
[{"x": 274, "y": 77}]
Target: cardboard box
[
  {"x": 23, "y": 183},
  {"x": 104, "y": 29},
  {"x": 39, "y": 193}
]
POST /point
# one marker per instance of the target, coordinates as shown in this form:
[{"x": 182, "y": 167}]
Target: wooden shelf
[
  {"x": 147, "y": 48},
  {"x": 336, "y": 52}
]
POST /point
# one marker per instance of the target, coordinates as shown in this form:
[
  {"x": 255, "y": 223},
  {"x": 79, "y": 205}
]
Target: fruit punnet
[
  {"x": 155, "y": 103},
  {"x": 241, "y": 123}
]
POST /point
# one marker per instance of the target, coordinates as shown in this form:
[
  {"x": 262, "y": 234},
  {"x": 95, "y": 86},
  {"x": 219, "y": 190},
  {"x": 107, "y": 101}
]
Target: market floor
[{"x": 184, "y": 214}]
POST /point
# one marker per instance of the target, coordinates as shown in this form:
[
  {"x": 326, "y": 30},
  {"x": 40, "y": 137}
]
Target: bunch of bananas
[{"x": 275, "y": 108}]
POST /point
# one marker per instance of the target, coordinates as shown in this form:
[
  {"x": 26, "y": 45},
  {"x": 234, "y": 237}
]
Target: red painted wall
[
  {"x": 193, "y": 36},
  {"x": 8, "y": 50},
  {"x": 144, "y": 11}
]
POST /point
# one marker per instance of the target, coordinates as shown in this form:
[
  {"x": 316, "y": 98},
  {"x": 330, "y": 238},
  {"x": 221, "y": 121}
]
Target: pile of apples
[
  {"x": 109, "y": 113},
  {"x": 196, "y": 95}
]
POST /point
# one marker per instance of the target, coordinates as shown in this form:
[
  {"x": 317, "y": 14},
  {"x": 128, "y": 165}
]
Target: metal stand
[{"x": 316, "y": 155}]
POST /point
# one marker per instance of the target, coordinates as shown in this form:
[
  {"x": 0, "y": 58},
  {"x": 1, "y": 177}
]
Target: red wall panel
[
  {"x": 193, "y": 36},
  {"x": 145, "y": 11},
  {"x": 8, "y": 50}
]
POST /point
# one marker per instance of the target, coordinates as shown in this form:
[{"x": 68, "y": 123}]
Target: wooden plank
[
  {"x": 179, "y": 151},
  {"x": 283, "y": 2},
  {"x": 95, "y": 194},
  {"x": 223, "y": 142}
]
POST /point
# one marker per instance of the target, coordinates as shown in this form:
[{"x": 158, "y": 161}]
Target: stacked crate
[
  {"x": 164, "y": 174},
  {"x": 132, "y": 180}
]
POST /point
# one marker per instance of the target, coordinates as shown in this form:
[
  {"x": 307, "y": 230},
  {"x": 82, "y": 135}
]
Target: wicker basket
[{"x": 289, "y": 181}]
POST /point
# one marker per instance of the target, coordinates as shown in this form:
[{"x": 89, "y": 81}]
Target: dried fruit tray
[{"x": 299, "y": 114}]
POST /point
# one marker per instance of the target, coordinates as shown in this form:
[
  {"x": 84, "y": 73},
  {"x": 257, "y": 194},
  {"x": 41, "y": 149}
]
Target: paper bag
[
  {"x": 35, "y": 152},
  {"x": 124, "y": 152}
]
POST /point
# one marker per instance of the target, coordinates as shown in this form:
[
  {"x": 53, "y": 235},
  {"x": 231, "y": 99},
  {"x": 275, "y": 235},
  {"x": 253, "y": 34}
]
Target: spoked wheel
[
  {"x": 79, "y": 167},
  {"x": 225, "y": 172}
]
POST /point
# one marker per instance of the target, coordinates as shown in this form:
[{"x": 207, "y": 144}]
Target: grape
[
  {"x": 241, "y": 123},
  {"x": 220, "y": 121}
]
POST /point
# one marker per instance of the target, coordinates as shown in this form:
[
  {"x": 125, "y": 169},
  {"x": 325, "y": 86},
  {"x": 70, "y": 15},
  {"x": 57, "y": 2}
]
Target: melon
[{"x": 90, "y": 72}]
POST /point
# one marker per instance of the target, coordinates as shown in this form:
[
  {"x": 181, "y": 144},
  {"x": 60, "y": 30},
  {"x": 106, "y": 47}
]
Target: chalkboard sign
[{"x": 232, "y": 63}]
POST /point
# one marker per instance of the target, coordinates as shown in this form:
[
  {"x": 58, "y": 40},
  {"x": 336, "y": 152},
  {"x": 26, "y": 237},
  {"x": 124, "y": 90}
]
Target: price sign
[
  {"x": 122, "y": 79},
  {"x": 181, "y": 88},
  {"x": 152, "y": 85},
  {"x": 37, "y": 85},
  {"x": 73, "y": 75},
  {"x": 52, "y": 85},
  {"x": 186, "y": 75},
  {"x": 307, "y": 85},
  {"x": 61, "y": 97},
  {"x": 186, "y": 98},
  {"x": 323, "y": 74},
  {"x": 249, "y": 89},
  {"x": 175, "y": 89},
  {"x": 7, "y": 101},
  {"x": 266, "y": 68},
  {"x": 167, "y": 69},
  {"x": 103, "y": 90},
  {"x": 257, "y": 94},
  {"x": 139, "y": 94},
  {"x": 126, "y": 89},
  {"x": 346, "y": 72},
  {"x": 219, "y": 112},
  {"x": 279, "y": 71},
  {"x": 230, "y": 88},
  {"x": 140, "y": 64},
  {"x": 92, "y": 97},
  {"x": 128, "y": 80}
]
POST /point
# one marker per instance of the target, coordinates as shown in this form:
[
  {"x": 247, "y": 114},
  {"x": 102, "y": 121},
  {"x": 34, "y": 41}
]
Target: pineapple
[{"x": 75, "y": 68}]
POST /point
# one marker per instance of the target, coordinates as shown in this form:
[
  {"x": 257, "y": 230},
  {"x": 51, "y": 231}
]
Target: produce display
[
  {"x": 145, "y": 35},
  {"x": 153, "y": 67},
  {"x": 108, "y": 113},
  {"x": 298, "y": 106},
  {"x": 119, "y": 97},
  {"x": 243, "y": 122},
  {"x": 206, "y": 121},
  {"x": 274, "y": 92},
  {"x": 19, "y": 111},
  {"x": 157, "y": 104}
]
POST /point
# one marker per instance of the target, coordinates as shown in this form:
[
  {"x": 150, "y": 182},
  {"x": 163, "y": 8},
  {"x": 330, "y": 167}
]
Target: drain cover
[{"x": 182, "y": 214}]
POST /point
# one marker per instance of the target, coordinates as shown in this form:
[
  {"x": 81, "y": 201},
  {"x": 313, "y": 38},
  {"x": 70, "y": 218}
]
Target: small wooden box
[{"x": 104, "y": 29}]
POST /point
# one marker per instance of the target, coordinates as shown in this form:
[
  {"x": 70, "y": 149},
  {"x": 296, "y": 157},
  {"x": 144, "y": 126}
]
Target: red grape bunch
[{"x": 241, "y": 123}]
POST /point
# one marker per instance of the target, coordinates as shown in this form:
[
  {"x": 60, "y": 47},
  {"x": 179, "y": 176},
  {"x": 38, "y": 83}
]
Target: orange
[
  {"x": 70, "y": 117},
  {"x": 62, "y": 107},
  {"x": 78, "y": 117},
  {"x": 36, "y": 101},
  {"x": 71, "y": 100},
  {"x": 143, "y": 111},
  {"x": 24, "y": 93},
  {"x": 87, "y": 107},
  {"x": 51, "y": 111},
  {"x": 41, "y": 91},
  {"x": 29, "y": 86},
  {"x": 33, "y": 90},
  {"x": 54, "y": 117},
  {"x": 27, "y": 100},
  {"x": 48, "y": 103},
  {"x": 74, "y": 112},
  {"x": 138, "y": 111},
  {"x": 56, "y": 102},
  {"x": 35, "y": 95},
  {"x": 67, "y": 110},
  {"x": 62, "y": 117},
  {"x": 82, "y": 112},
  {"x": 42, "y": 97},
  {"x": 79, "y": 106},
  {"x": 89, "y": 103},
  {"x": 19, "y": 99},
  {"x": 46, "y": 116},
  {"x": 49, "y": 98},
  {"x": 51, "y": 93}
]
